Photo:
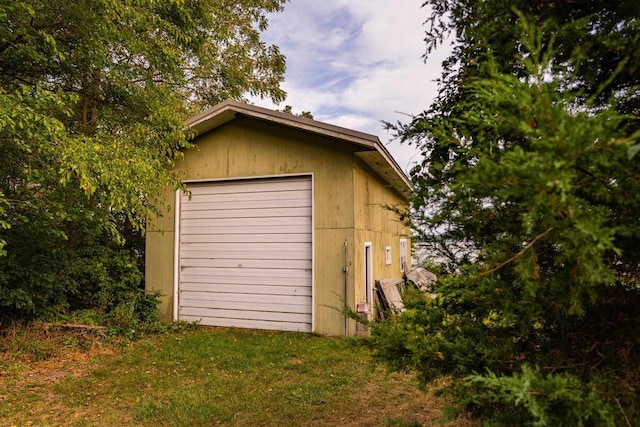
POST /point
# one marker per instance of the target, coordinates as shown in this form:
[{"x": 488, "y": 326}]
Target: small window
[
  {"x": 403, "y": 256},
  {"x": 387, "y": 251}
]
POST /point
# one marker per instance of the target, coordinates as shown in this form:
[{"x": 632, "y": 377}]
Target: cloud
[{"x": 355, "y": 63}]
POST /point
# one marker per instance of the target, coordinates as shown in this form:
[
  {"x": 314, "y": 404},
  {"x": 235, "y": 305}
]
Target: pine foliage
[{"x": 528, "y": 197}]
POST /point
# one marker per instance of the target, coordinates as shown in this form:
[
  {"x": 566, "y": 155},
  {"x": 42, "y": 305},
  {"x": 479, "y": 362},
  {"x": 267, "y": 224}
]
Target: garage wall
[
  {"x": 376, "y": 224},
  {"x": 160, "y": 238}
]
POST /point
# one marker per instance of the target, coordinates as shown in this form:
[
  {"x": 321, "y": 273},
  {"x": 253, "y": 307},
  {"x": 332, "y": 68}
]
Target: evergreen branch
[
  {"x": 518, "y": 255},
  {"x": 624, "y": 414}
]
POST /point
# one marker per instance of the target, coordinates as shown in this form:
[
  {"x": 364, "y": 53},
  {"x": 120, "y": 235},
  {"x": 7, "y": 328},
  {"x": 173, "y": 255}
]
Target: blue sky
[{"x": 354, "y": 63}]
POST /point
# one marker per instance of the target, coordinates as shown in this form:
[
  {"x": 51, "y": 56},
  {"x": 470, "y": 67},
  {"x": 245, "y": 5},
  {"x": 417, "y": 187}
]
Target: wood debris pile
[{"x": 388, "y": 296}]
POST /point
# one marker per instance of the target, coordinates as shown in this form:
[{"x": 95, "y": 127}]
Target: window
[{"x": 387, "y": 252}]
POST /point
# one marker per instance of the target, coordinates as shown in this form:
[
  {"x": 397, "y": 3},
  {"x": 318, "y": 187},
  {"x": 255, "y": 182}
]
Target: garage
[
  {"x": 245, "y": 253},
  {"x": 287, "y": 223}
]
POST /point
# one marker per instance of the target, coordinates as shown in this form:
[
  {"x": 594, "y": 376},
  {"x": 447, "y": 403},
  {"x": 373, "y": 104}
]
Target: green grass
[{"x": 215, "y": 377}]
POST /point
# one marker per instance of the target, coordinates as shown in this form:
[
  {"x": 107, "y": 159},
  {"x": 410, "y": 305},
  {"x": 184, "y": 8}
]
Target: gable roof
[{"x": 369, "y": 147}]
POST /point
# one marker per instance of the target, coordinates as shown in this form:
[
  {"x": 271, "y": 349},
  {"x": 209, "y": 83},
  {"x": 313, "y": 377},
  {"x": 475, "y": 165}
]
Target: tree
[
  {"x": 289, "y": 110},
  {"x": 93, "y": 96},
  {"x": 527, "y": 194}
]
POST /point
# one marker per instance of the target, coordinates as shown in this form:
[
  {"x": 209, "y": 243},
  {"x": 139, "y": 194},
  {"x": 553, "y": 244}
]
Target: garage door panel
[
  {"x": 303, "y": 254},
  {"x": 257, "y": 186},
  {"x": 247, "y": 314},
  {"x": 254, "y": 306},
  {"x": 267, "y": 264},
  {"x": 253, "y": 288},
  {"x": 251, "y": 204},
  {"x": 240, "y": 296},
  {"x": 258, "y": 197},
  {"x": 247, "y": 238},
  {"x": 193, "y": 225},
  {"x": 255, "y": 229},
  {"x": 246, "y": 254},
  {"x": 249, "y": 246},
  {"x": 247, "y": 213},
  {"x": 254, "y": 324},
  {"x": 249, "y": 274}
]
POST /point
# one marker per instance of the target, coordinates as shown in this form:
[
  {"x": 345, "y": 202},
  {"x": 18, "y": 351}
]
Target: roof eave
[{"x": 374, "y": 153}]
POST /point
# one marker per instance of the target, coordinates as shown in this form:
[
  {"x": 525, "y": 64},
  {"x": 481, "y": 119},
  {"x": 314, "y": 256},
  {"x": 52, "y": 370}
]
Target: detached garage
[{"x": 285, "y": 221}]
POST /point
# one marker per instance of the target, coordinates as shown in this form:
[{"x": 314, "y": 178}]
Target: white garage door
[{"x": 246, "y": 254}]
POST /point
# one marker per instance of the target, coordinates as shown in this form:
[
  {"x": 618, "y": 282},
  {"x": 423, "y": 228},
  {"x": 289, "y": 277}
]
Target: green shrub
[
  {"x": 135, "y": 314},
  {"x": 527, "y": 194},
  {"x": 529, "y": 398}
]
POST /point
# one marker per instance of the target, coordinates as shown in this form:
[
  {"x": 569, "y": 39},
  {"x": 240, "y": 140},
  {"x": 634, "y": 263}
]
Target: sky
[{"x": 356, "y": 63}]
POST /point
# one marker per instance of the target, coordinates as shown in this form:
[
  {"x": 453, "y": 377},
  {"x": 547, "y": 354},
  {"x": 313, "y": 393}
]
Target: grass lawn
[{"x": 202, "y": 377}]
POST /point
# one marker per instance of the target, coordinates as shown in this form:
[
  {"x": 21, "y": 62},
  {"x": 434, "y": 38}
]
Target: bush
[
  {"x": 135, "y": 314},
  {"x": 528, "y": 398},
  {"x": 54, "y": 266}
]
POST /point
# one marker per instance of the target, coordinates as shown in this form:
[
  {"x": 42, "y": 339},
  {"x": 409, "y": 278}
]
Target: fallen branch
[{"x": 94, "y": 328}]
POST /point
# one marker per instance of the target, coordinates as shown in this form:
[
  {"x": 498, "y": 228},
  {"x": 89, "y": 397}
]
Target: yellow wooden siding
[
  {"x": 159, "y": 269},
  {"x": 160, "y": 235},
  {"x": 329, "y": 279},
  {"x": 377, "y": 224}
]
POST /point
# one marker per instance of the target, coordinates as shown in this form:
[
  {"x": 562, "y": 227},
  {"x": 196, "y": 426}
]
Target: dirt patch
[
  {"x": 74, "y": 363},
  {"x": 39, "y": 356},
  {"x": 33, "y": 360}
]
